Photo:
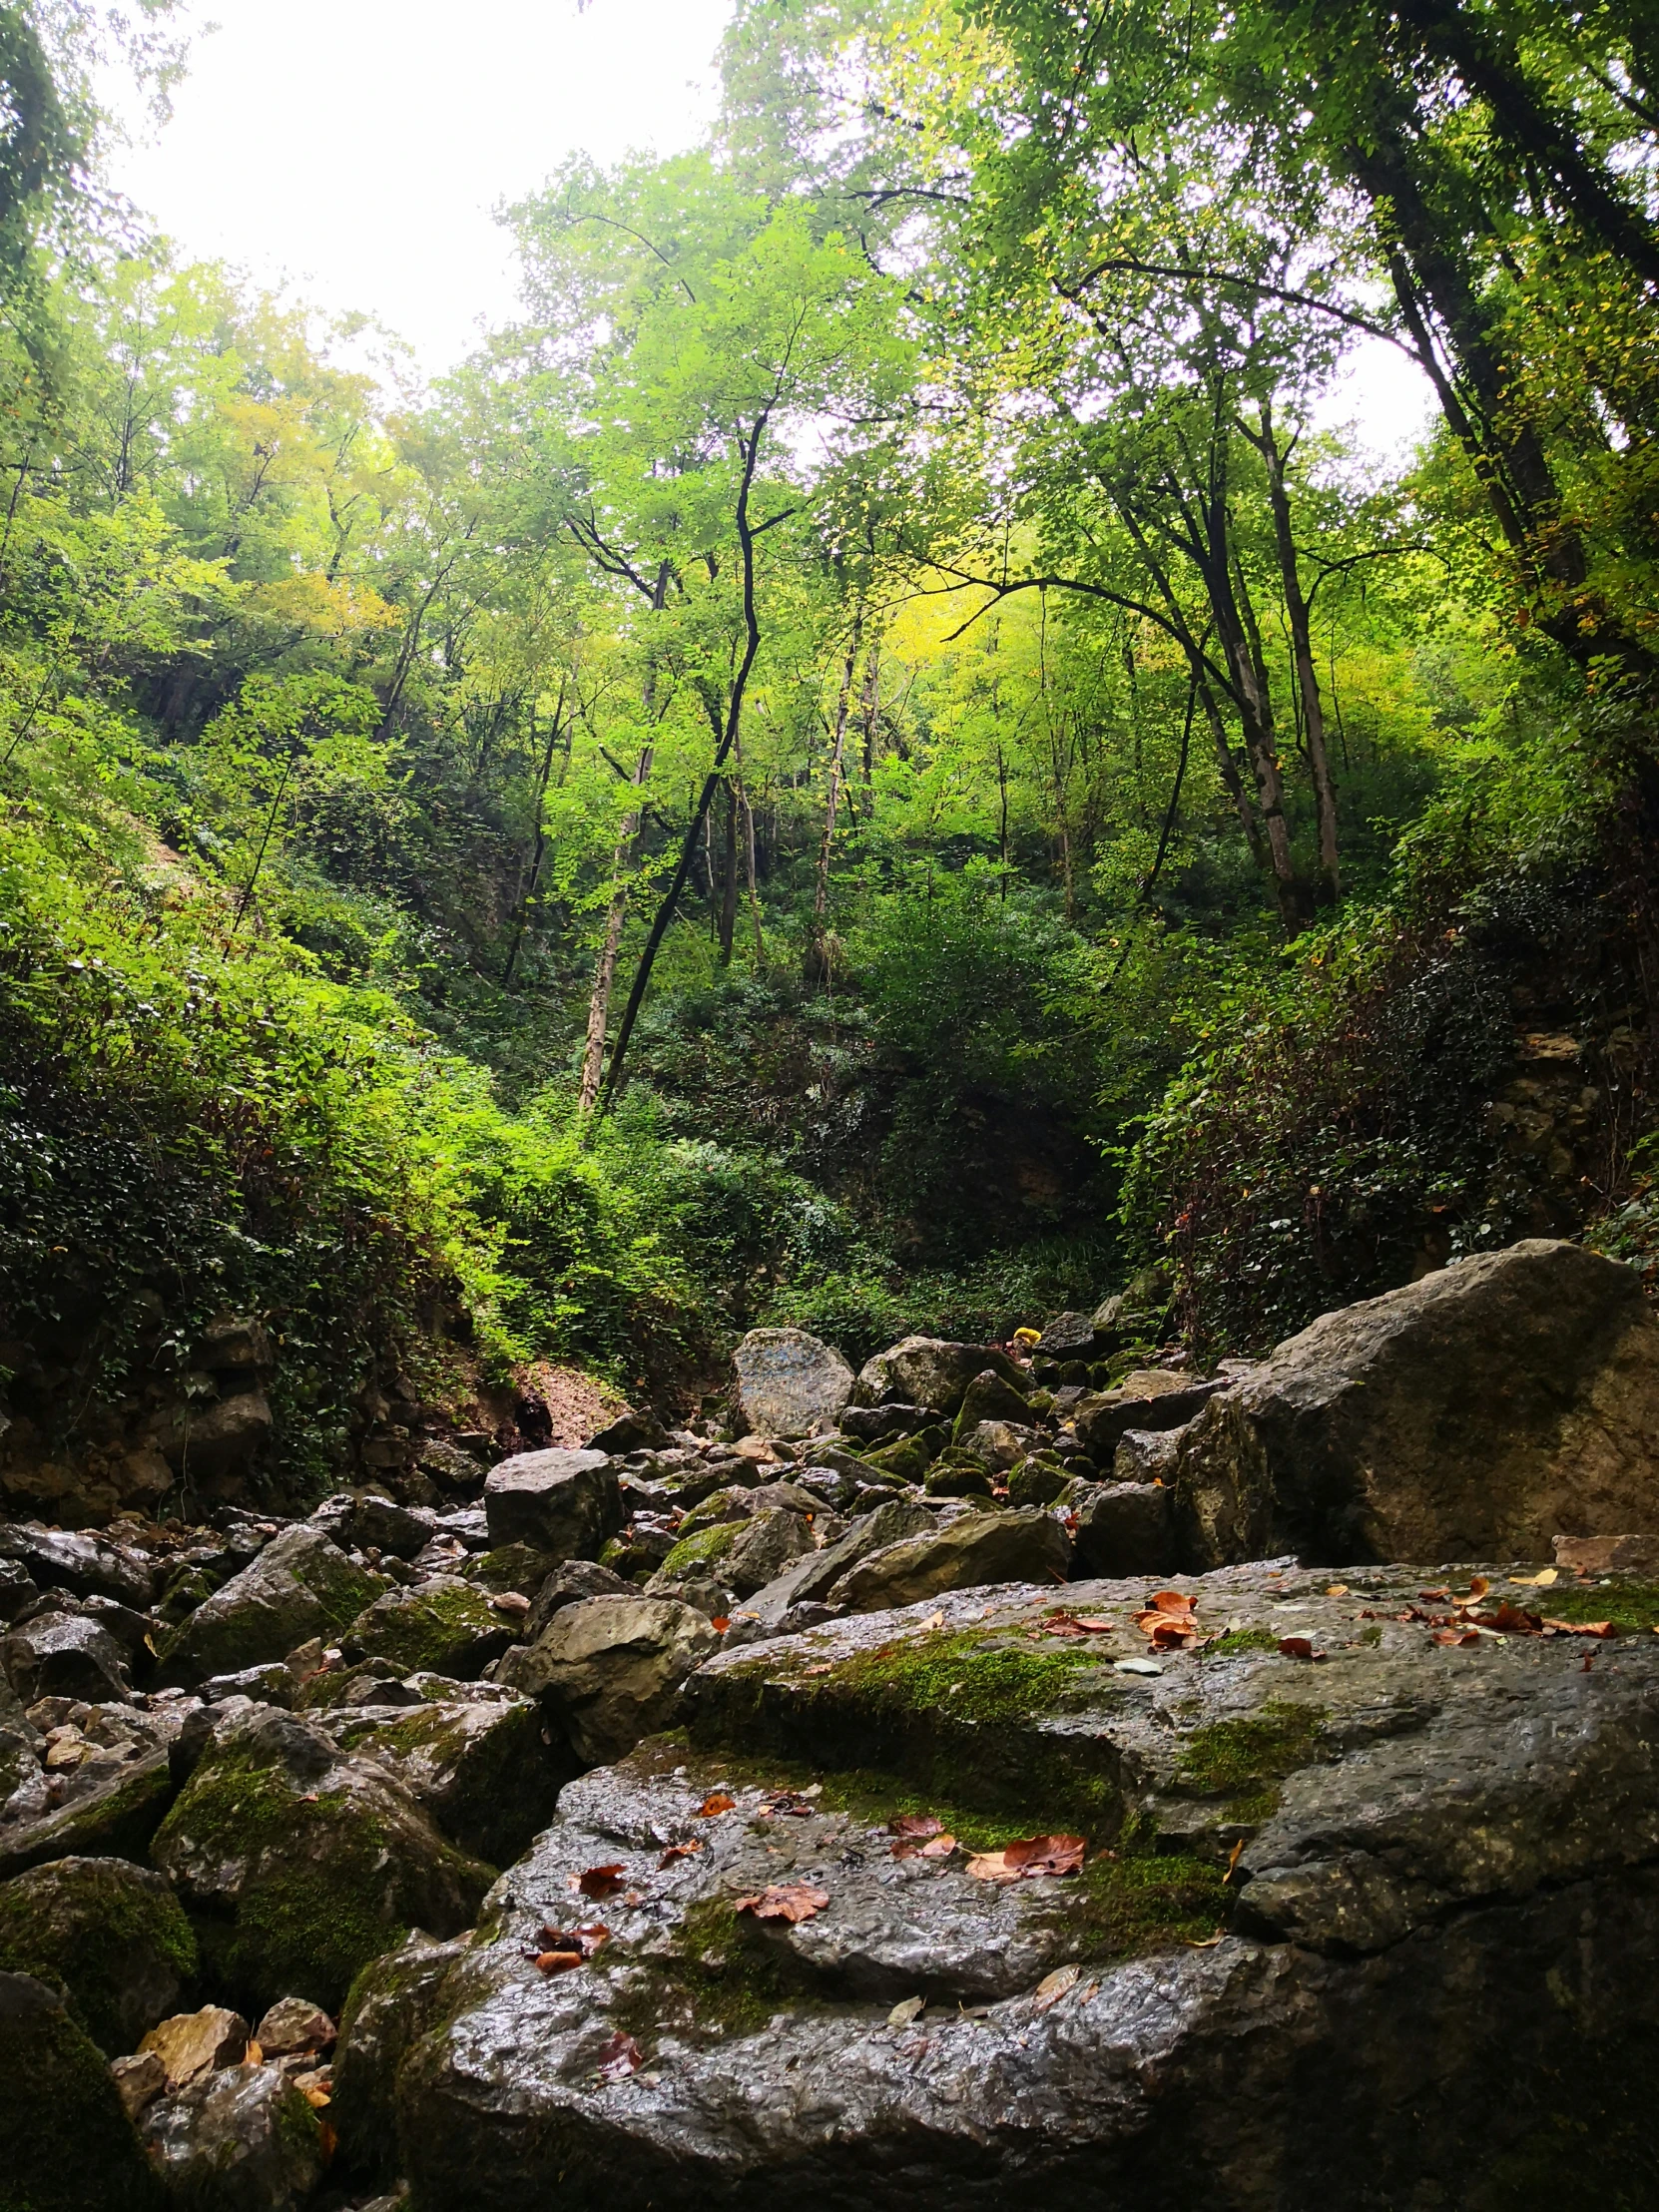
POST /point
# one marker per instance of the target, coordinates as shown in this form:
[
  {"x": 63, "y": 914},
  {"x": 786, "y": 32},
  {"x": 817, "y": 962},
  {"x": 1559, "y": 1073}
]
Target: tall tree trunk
[
  {"x": 1301, "y": 650},
  {"x": 871, "y": 704},
  {"x": 729, "y": 875},
  {"x": 604, "y": 974},
  {"x": 817, "y": 950},
  {"x": 750, "y": 869},
  {"x": 532, "y": 875},
  {"x": 751, "y": 447}
]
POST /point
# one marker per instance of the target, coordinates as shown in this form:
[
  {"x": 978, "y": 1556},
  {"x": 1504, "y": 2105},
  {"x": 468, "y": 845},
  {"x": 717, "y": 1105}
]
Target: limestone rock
[
  {"x": 446, "y": 1625},
  {"x": 243, "y": 2140},
  {"x": 299, "y": 1586},
  {"x": 109, "y": 1933},
  {"x": 1479, "y": 1412},
  {"x": 812, "y": 1576},
  {"x": 928, "y": 1370},
  {"x": 390, "y": 1527},
  {"x": 294, "y": 2026},
  {"x": 1147, "y": 1399},
  {"x": 1441, "y": 1845},
  {"x": 1147, "y": 1455},
  {"x": 563, "y": 1502},
  {"x": 138, "y": 2079},
  {"x": 1123, "y": 1528},
  {"x": 972, "y": 1551},
  {"x": 789, "y": 1384},
  {"x": 302, "y": 1864},
  {"x": 192, "y": 2044},
  {"x": 64, "y": 1655},
  {"x": 518, "y": 1567},
  {"x": 486, "y": 1773},
  {"x": 1068, "y": 1337},
  {"x": 393, "y": 2004},
  {"x": 989, "y": 1397},
  {"x": 84, "y": 1564},
  {"x": 609, "y": 1669},
  {"x": 998, "y": 1445},
  {"x": 102, "y": 1806},
  {"x": 69, "y": 2143},
  {"x": 568, "y": 1584},
  {"x": 765, "y": 1546},
  {"x": 219, "y": 1438},
  {"x": 632, "y": 1431}
]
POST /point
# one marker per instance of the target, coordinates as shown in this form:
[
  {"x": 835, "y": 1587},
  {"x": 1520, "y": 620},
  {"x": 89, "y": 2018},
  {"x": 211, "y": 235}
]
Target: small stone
[
  {"x": 139, "y": 2081},
  {"x": 292, "y": 2025},
  {"x": 195, "y": 2043}
]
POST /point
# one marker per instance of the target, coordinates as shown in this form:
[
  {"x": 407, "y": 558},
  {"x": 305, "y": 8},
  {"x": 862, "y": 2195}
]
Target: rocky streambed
[{"x": 923, "y": 1791}]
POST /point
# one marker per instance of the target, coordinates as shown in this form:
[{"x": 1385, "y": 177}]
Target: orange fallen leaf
[
  {"x": 620, "y": 2057},
  {"x": 1297, "y": 1647},
  {"x": 784, "y": 1900},
  {"x": 915, "y": 1824},
  {"x": 253, "y": 2055},
  {"x": 1456, "y": 1636},
  {"x": 1603, "y": 1629},
  {"x": 721, "y": 1623},
  {"x": 1232, "y": 1859},
  {"x": 557, "y": 1961},
  {"x": 676, "y": 1851},
  {"x": 716, "y": 1801},
  {"x": 1336, "y": 1589},
  {"x": 1030, "y": 1857},
  {"x": 329, "y": 2141},
  {"x": 601, "y": 1881}
]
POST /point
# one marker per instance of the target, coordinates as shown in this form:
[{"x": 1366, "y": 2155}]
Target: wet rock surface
[{"x": 996, "y": 1850}]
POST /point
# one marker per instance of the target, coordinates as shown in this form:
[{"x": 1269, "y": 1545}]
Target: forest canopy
[{"x": 879, "y": 758}]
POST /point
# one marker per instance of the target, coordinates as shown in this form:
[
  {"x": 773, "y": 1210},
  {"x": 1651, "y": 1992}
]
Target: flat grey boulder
[
  {"x": 609, "y": 1670},
  {"x": 64, "y": 1655},
  {"x": 788, "y": 1383},
  {"x": 563, "y": 1502},
  {"x": 972, "y": 1551},
  {"x": 84, "y": 1564},
  {"x": 1342, "y": 1926},
  {"x": 1478, "y": 1413},
  {"x": 929, "y": 1370},
  {"x": 300, "y": 1585}
]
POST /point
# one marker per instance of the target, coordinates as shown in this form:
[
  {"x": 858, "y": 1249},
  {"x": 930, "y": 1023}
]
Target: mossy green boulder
[
  {"x": 701, "y": 1552},
  {"x": 489, "y": 1773},
  {"x": 445, "y": 1626},
  {"x": 109, "y": 1811},
  {"x": 297, "y": 1866},
  {"x": 301, "y": 1585},
  {"x": 392, "y": 2004},
  {"x": 66, "y": 2143},
  {"x": 112, "y": 1935}
]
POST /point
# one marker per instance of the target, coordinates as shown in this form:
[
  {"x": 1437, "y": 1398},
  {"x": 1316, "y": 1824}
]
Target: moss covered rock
[
  {"x": 488, "y": 1773},
  {"x": 701, "y": 1552},
  {"x": 609, "y": 1670},
  {"x": 445, "y": 1626},
  {"x": 521, "y": 1567},
  {"x": 110, "y": 1934},
  {"x": 393, "y": 2003},
  {"x": 298, "y": 1863},
  {"x": 243, "y": 2139},
  {"x": 68, "y": 2143},
  {"x": 301, "y": 1585},
  {"x": 107, "y": 1810}
]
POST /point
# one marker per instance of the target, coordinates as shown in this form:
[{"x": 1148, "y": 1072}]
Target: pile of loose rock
[{"x": 850, "y": 1803}]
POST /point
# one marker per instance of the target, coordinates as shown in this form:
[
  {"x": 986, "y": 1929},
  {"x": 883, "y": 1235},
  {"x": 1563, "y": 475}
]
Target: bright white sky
[{"x": 356, "y": 149}]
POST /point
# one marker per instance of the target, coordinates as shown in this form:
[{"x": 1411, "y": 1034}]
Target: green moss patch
[
  {"x": 446, "y": 1628},
  {"x": 702, "y": 1549},
  {"x": 68, "y": 2143},
  {"x": 1243, "y": 1760},
  {"x": 1128, "y": 1903},
  {"x": 723, "y": 1978},
  {"x": 1630, "y": 1606},
  {"x": 1239, "y": 1640}
]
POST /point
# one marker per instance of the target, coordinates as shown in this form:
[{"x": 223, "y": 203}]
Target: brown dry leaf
[
  {"x": 935, "y": 1620},
  {"x": 906, "y": 2010},
  {"x": 557, "y": 1961},
  {"x": 1031, "y": 1856},
  {"x": 786, "y": 1801},
  {"x": 1232, "y": 1859},
  {"x": 827, "y": 1667},
  {"x": 940, "y": 1847},
  {"x": 1053, "y": 1986},
  {"x": 716, "y": 1801},
  {"x": 1336, "y": 1589},
  {"x": 1477, "y": 1590},
  {"x": 1297, "y": 1647},
  {"x": 317, "y": 2099},
  {"x": 1456, "y": 1636},
  {"x": 620, "y": 2057},
  {"x": 915, "y": 1824},
  {"x": 1428, "y": 1596},
  {"x": 784, "y": 1900},
  {"x": 1603, "y": 1629},
  {"x": 721, "y": 1623},
  {"x": 676, "y": 1851},
  {"x": 1509, "y": 1620},
  {"x": 253, "y": 2055},
  {"x": 601, "y": 1881},
  {"x": 329, "y": 2141}
]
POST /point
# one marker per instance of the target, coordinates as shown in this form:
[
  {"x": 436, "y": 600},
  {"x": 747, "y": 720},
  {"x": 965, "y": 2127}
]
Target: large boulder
[
  {"x": 64, "y": 1655},
  {"x": 1334, "y": 1932},
  {"x": 971, "y": 1551},
  {"x": 244, "y": 2139},
  {"x": 1147, "y": 1399},
  {"x": 1123, "y": 1528},
  {"x": 488, "y": 1771},
  {"x": 1477, "y": 1413},
  {"x": 445, "y": 1625},
  {"x": 928, "y": 1370},
  {"x": 69, "y": 2144},
  {"x": 80, "y": 1562},
  {"x": 563, "y": 1502},
  {"x": 102, "y": 1807},
  {"x": 789, "y": 1384},
  {"x": 109, "y": 1933},
  {"x": 609, "y": 1670},
  {"x": 300, "y": 1864},
  {"x": 393, "y": 2004},
  {"x": 810, "y": 1580},
  {"x": 299, "y": 1586}
]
